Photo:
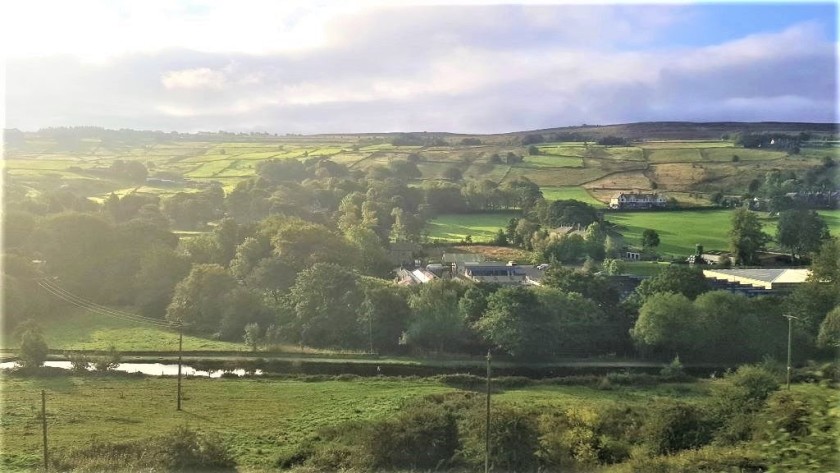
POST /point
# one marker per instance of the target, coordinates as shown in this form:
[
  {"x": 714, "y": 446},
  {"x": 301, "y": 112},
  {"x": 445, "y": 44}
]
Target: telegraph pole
[
  {"x": 487, "y": 421},
  {"x": 180, "y": 349},
  {"x": 790, "y": 331},
  {"x": 44, "y": 428}
]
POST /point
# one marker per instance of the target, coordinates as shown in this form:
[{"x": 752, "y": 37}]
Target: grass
[
  {"x": 675, "y": 155},
  {"x": 643, "y": 268},
  {"x": 570, "y": 192},
  {"x": 550, "y": 161},
  {"x": 832, "y": 219},
  {"x": 77, "y": 329},
  {"x": 679, "y": 232},
  {"x": 259, "y": 419},
  {"x": 455, "y": 227}
]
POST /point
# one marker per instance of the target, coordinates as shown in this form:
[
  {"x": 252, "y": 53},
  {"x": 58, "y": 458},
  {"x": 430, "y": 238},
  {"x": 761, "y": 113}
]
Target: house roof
[{"x": 761, "y": 277}]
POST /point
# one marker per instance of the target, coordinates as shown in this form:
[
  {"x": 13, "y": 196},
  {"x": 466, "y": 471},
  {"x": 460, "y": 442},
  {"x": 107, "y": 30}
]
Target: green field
[
  {"x": 260, "y": 419},
  {"x": 679, "y": 232},
  {"x": 552, "y": 162},
  {"x": 455, "y": 227},
  {"x": 78, "y": 329},
  {"x": 570, "y": 192}
]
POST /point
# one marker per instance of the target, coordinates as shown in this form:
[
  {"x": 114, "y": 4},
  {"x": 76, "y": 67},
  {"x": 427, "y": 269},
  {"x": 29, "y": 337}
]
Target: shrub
[
  {"x": 179, "y": 450},
  {"x": 802, "y": 432},
  {"x": 674, "y": 370},
  {"x": 568, "y": 440},
  {"x": 514, "y": 439},
  {"x": 675, "y": 426},
  {"x": 106, "y": 361},
  {"x": 79, "y": 362},
  {"x": 33, "y": 347},
  {"x": 422, "y": 437}
]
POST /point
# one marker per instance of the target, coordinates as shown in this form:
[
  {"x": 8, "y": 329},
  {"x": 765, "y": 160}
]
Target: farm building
[
  {"x": 628, "y": 201},
  {"x": 501, "y": 273},
  {"x": 754, "y": 282},
  {"x": 407, "y": 277}
]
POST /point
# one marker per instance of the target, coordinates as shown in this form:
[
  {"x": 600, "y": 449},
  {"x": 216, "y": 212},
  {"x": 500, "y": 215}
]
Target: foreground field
[{"x": 259, "y": 419}]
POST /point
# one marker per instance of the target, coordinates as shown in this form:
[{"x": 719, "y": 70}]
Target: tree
[
  {"x": 198, "y": 302},
  {"x": 728, "y": 327},
  {"x": 324, "y": 302},
  {"x": 513, "y": 322},
  {"x": 384, "y": 314},
  {"x": 801, "y": 231},
  {"x": 252, "y": 335},
  {"x": 683, "y": 280},
  {"x": 569, "y": 212},
  {"x": 650, "y": 239},
  {"x": 436, "y": 322},
  {"x": 746, "y": 238},
  {"x": 500, "y": 239},
  {"x": 829, "y": 336},
  {"x": 666, "y": 323},
  {"x": 33, "y": 347}
]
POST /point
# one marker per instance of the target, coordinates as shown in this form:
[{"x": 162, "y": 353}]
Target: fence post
[{"x": 44, "y": 428}]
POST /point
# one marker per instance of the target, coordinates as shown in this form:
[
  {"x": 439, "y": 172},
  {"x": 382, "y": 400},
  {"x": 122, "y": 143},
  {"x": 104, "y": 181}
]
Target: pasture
[
  {"x": 679, "y": 232},
  {"x": 79, "y": 329},
  {"x": 570, "y": 192},
  {"x": 259, "y": 419},
  {"x": 480, "y": 227}
]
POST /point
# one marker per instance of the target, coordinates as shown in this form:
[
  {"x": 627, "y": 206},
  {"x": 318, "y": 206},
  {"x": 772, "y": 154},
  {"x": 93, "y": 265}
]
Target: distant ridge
[{"x": 665, "y": 130}]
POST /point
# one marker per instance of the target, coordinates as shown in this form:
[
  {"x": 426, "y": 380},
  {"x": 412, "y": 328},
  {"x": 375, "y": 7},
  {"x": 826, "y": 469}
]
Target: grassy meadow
[
  {"x": 260, "y": 419},
  {"x": 679, "y": 231},
  {"x": 455, "y": 227},
  {"x": 79, "y": 329}
]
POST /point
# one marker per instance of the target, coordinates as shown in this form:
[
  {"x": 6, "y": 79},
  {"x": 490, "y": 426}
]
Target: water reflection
[{"x": 152, "y": 369}]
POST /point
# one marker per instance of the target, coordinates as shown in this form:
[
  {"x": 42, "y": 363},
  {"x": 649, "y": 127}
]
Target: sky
[{"x": 364, "y": 66}]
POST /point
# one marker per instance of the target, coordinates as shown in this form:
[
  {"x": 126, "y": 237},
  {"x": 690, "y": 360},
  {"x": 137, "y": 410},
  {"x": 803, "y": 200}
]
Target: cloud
[
  {"x": 201, "y": 78},
  {"x": 458, "y": 68}
]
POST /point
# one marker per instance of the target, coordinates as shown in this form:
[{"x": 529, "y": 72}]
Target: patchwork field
[{"x": 679, "y": 166}]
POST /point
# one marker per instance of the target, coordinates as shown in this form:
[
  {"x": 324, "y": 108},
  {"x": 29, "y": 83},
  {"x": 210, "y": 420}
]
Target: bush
[
  {"x": 422, "y": 437},
  {"x": 79, "y": 362},
  {"x": 514, "y": 439},
  {"x": 106, "y": 361},
  {"x": 674, "y": 371},
  {"x": 568, "y": 440},
  {"x": 675, "y": 426},
  {"x": 33, "y": 347},
  {"x": 179, "y": 450}
]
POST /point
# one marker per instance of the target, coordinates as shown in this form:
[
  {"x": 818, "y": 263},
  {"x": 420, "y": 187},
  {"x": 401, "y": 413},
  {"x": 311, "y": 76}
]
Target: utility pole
[
  {"x": 790, "y": 331},
  {"x": 180, "y": 348},
  {"x": 487, "y": 421},
  {"x": 44, "y": 428}
]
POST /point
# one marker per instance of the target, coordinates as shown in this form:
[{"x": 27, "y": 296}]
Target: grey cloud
[{"x": 493, "y": 85}]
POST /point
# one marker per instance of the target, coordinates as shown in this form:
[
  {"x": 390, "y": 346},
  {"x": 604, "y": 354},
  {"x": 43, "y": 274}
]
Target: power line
[{"x": 77, "y": 301}]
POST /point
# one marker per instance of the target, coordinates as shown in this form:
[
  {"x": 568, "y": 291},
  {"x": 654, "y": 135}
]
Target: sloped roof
[{"x": 760, "y": 277}]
